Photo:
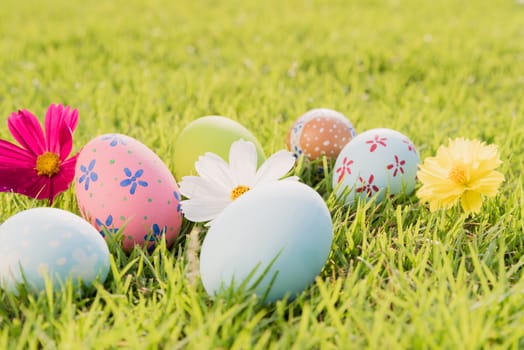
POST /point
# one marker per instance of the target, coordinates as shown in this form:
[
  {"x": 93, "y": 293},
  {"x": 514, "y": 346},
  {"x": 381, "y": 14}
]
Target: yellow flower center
[
  {"x": 238, "y": 191},
  {"x": 458, "y": 174},
  {"x": 47, "y": 164}
]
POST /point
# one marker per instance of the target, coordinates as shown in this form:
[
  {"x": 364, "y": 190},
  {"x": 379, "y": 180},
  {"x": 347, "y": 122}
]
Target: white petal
[
  {"x": 198, "y": 210},
  {"x": 291, "y": 178},
  {"x": 214, "y": 169},
  {"x": 198, "y": 187},
  {"x": 276, "y": 166},
  {"x": 243, "y": 162}
]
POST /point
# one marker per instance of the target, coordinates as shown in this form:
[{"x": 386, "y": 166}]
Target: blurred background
[{"x": 431, "y": 69}]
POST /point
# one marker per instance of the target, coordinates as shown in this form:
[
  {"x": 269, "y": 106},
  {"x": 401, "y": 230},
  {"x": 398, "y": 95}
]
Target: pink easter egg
[{"x": 123, "y": 186}]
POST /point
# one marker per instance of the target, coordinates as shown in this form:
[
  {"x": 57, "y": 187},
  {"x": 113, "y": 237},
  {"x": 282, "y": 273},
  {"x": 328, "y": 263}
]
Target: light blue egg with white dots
[
  {"x": 49, "y": 243},
  {"x": 274, "y": 239}
]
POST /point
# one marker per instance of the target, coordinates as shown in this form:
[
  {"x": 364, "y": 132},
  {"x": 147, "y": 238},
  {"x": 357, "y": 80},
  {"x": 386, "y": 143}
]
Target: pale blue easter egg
[
  {"x": 375, "y": 163},
  {"x": 281, "y": 232},
  {"x": 49, "y": 243}
]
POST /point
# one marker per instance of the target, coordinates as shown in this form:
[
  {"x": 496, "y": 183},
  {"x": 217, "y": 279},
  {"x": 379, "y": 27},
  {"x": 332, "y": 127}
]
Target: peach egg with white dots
[{"x": 320, "y": 132}]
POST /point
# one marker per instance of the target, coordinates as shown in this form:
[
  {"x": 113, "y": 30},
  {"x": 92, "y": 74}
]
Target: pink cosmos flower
[{"x": 39, "y": 168}]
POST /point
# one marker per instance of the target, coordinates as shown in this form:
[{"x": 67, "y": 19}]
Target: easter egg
[
  {"x": 209, "y": 134},
  {"x": 374, "y": 163},
  {"x": 320, "y": 132},
  {"x": 279, "y": 234},
  {"x": 123, "y": 186},
  {"x": 49, "y": 243}
]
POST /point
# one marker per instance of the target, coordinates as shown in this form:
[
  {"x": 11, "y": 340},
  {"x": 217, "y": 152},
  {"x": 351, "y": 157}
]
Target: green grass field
[{"x": 398, "y": 276}]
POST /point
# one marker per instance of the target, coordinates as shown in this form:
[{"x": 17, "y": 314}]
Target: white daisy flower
[{"x": 219, "y": 183}]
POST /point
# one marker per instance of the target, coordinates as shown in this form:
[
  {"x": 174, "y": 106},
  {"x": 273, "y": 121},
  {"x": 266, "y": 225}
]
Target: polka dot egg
[
  {"x": 123, "y": 186},
  {"x": 320, "y": 132},
  {"x": 49, "y": 243}
]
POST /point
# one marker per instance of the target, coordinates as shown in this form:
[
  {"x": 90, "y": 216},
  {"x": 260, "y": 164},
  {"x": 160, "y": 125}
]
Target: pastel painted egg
[
  {"x": 283, "y": 228},
  {"x": 209, "y": 134},
  {"x": 121, "y": 184},
  {"x": 320, "y": 132},
  {"x": 374, "y": 163},
  {"x": 49, "y": 243}
]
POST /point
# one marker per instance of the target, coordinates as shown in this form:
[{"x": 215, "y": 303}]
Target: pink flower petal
[
  {"x": 12, "y": 156},
  {"x": 23, "y": 181},
  {"x": 61, "y": 181},
  {"x": 27, "y": 182},
  {"x": 67, "y": 171},
  {"x": 59, "y": 125},
  {"x": 70, "y": 117},
  {"x": 66, "y": 141},
  {"x": 17, "y": 164},
  {"x": 26, "y": 129},
  {"x": 45, "y": 190},
  {"x": 53, "y": 125}
]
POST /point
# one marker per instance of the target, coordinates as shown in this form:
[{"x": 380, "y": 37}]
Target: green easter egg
[{"x": 209, "y": 134}]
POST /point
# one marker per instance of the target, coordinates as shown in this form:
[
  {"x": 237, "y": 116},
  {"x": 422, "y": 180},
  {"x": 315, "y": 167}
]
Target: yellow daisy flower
[{"x": 463, "y": 170}]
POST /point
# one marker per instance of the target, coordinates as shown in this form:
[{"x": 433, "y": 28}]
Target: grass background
[{"x": 398, "y": 276}]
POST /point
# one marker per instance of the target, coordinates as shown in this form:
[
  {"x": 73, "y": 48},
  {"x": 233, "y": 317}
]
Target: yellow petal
[
  {"x": 434, "y": 206},
  {"x": 431, "y": 171},
  {"x": 484, "y": 166},
  {"x": 471, "y": 202},
  {"x": 424, "y": 195},
  {"x": 444, "y": 158},
  {"x": 475, "y": 160},
  {"x": 490, "y": 153},
  {"x": 443, "y": 189},
  {"x": 437, "y": 201},
  {"x": 449, "y": 201},
  {"x": 487, "y": 185}
]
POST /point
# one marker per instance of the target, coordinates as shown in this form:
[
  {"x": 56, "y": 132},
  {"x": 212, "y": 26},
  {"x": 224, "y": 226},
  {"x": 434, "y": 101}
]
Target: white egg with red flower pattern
[
  {"x": 320, "y": 132},
  {"x": 375, "y": 163}
]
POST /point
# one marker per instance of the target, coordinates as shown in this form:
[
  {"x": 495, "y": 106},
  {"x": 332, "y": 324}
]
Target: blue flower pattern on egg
[
  {"x": 295, "y": 136},
  {"x": 107, "y": 225},
  {"x": 155, "y": 236},
  {"x": 156, "y": 233},
  {"x": 114, "y": 140},
  {"x": 177, "y": 197},
  {"x": 88, "y": 174},
  {"x": 297, "y": 151},
  {"x": 298, "y": 126},
  {"x": 133, "y": 180},
  {"x": 131, "y": 191}
]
